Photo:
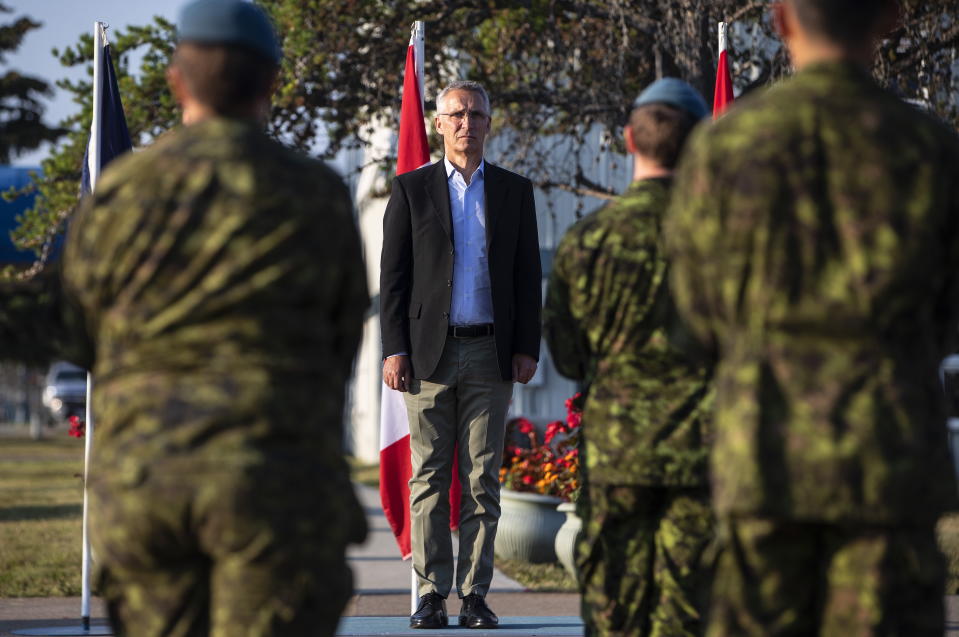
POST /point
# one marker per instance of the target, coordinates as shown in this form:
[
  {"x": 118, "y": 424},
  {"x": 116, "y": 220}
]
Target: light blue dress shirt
[{"x": 472, "y": 302}]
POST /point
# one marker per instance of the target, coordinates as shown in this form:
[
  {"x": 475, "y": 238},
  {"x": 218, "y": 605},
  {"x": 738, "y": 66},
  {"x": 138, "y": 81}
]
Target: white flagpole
[
  {"x": 722, "y": 36},
  {"x": 418, "y": 42},
  {"x": 99, "y": 41}
]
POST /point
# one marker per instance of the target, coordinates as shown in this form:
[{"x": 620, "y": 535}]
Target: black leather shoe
[
  {"x": 430, "y": 612},
  {"x": 476, "y": 614}
]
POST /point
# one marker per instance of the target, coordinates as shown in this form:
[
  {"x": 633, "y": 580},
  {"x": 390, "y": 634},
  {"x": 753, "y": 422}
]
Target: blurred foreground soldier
[
  {"x": 611, "y": 324},
  {"x": 215, "y": 286},
  {"x": 815, "y": 237}
]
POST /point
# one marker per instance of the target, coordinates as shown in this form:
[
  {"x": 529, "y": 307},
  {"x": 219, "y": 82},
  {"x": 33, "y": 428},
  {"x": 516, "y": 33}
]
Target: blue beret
[
  {"x": 674, "y": 92},
  {"x": 228, "y": 22}
]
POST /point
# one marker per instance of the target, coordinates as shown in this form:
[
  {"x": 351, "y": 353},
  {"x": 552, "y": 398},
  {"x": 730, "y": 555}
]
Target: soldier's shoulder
[
  {"x": 924, "y": 120},
  {"x": 628, "y": 216},
  {"x": 137, "y": 165},
  {"x": 315, "y": 170}
]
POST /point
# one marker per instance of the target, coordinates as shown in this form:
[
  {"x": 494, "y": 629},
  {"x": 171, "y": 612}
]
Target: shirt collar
[{"x": 480, "y": 170}]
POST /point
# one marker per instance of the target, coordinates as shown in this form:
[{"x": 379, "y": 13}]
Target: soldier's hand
[
  {"x": 523, "y": 368},
  {"x": 397, "y": 372}
]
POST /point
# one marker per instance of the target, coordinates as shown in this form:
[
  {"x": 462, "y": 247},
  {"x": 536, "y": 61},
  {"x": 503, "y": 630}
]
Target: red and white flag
[
  {"x": 395, "y": 466},
  {"x": 723, "y": 94}
]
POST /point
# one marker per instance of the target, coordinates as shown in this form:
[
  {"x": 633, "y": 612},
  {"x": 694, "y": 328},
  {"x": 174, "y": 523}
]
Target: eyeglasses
[{"x": 458, "y": 116}]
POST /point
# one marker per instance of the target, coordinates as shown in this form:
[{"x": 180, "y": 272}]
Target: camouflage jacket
[
  {"x": 814, "y": 236},
  {"x": 611, "y": 324},
  {"x": 214, "y": 284}
]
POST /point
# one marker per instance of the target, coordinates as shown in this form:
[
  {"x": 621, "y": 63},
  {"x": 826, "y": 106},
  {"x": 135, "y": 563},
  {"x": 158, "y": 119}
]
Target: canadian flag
[
  {"x": 723, "y": 94},
  {"x": 413, "y": 151}
]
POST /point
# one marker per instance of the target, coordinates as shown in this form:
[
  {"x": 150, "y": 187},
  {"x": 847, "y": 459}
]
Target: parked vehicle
[{"x": 65, "y": 391}]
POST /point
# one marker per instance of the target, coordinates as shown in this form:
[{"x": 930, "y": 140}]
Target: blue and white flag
[{"x": 108, "y": 132}]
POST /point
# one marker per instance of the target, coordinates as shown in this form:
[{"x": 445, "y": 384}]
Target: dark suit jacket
[{"x": 416, "y": 268}]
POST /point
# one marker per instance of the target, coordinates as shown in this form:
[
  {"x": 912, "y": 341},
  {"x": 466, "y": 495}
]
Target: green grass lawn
[
  {"x": 542, "y": 578},
  {"x": 41, "y": 499},
  {"x": 40, "y": 509}
]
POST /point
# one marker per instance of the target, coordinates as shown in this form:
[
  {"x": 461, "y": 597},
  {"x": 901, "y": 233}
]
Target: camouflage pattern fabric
[
  {"x": 640, "y": 560},
  {"x": 610, "y": 323},
  {"x": 200, "y": 546},
  {"x": 814, "y": 238},
  {"x": 216, "y": 286},
  {"x": 779, "y": 577}
]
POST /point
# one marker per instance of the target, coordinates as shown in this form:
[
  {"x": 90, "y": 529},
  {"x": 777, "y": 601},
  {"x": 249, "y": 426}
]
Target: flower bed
[{"x": 550, "y": 467}]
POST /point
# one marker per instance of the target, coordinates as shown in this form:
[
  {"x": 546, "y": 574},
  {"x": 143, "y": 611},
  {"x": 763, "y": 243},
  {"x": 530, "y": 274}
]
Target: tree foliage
[
  {"x": 559, "y": 72},
  {"x": 21, "y": 111},
  {"x": 150, "y": 110}
]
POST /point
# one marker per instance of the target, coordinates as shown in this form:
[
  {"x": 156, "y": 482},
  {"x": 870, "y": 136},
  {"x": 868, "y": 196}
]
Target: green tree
[
  {"x": 21, "y": 111},
  {"x": 560, "y": 72},
  {"x": 149, "y": 108}
]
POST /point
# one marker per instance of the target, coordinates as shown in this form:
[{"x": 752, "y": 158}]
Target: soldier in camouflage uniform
[
  {"x": 214, "y": 284},
  {"x": 611, "y": 324},
  {"x": 814, "y": 236}
]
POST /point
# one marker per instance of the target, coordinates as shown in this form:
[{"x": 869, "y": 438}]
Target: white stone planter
[
  {"x": 565, "y": 544},
  {"x": 528, "y": 526}
]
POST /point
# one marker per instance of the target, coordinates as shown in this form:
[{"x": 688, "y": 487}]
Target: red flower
[
  {"x": 77, "y": 427},
  {"x": 525, "y": 426},
  {"x": 550, "y": 467},
  {"x": 552, "y": 429}
]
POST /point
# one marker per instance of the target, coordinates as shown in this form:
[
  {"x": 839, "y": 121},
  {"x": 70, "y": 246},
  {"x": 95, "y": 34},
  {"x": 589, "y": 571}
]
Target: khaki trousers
[{"x": 463, "y": 403}]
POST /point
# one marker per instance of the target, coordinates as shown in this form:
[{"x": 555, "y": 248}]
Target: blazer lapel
[
  {"x": 438, "y": 190},
  {"x": 495, "y": 190}
]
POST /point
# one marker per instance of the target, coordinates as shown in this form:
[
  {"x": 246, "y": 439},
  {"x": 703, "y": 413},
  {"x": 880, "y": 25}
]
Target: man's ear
[
  {"x": 436, "y": 124},
  {"x": 628, "y": 137},
  {"x": 174, "y": 79},
  {"x": 782, "y": 20}
]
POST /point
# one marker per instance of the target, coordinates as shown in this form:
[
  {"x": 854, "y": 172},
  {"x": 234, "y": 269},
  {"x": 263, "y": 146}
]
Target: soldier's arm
[
  {"x": 691, "y": 233},
  {"x": 564, "y": 336}
]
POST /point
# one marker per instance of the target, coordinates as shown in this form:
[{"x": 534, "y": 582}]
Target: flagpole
[
  {"x": 418, "y": 42},
  {"x": 723, "y": 91},
  {"x": 99, "y": 41}
]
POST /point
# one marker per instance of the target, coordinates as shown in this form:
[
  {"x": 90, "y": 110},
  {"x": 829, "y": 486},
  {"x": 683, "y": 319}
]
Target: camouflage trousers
[
  {"x": 193, "y": 546},
  {"x": 779, "y": 577},
  {"x": 640, "y": 559}
]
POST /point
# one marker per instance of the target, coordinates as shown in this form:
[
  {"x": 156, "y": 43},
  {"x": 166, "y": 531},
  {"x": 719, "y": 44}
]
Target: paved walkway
[{"x": 380, "y": 606}]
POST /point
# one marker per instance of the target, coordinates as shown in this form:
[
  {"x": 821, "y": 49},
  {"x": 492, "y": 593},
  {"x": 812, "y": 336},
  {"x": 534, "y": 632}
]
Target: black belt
[{"x": 470, "y": 331}]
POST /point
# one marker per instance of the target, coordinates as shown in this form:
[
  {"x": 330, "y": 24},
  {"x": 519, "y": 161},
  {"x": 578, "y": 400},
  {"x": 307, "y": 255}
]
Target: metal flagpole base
[{"x": 65, "y": 630}]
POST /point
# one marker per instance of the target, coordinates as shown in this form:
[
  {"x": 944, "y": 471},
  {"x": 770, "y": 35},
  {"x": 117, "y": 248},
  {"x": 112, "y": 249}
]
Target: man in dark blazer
[{"x": 460, "y": 295}]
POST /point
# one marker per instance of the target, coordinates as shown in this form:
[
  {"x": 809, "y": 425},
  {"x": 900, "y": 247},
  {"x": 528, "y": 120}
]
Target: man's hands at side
[
  {"x": 397, "y": 372},
  {"x": 523, "y": 368}
]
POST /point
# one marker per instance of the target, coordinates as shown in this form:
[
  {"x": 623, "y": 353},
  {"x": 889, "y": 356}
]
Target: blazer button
[
  {"x": 449, "y": 283},
  {"x": 446, "y": 314}
]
